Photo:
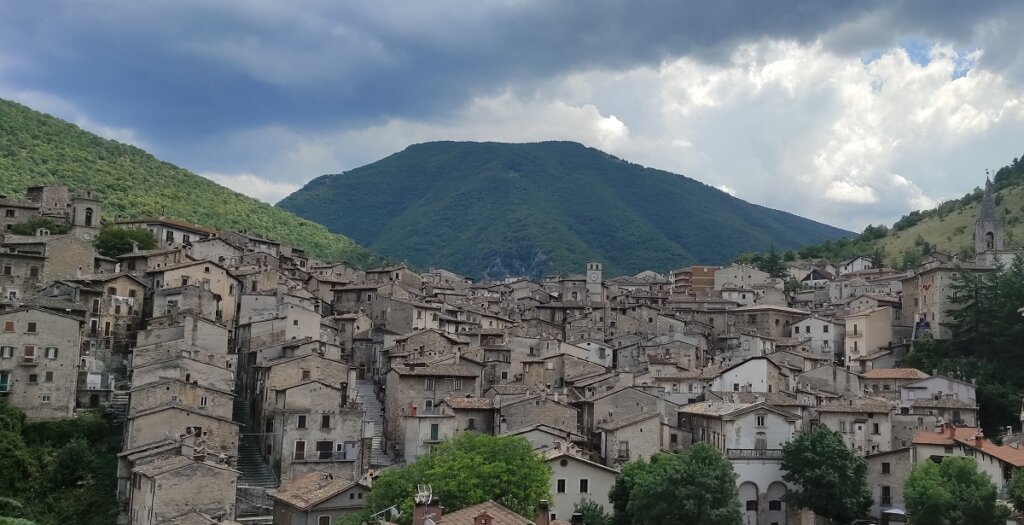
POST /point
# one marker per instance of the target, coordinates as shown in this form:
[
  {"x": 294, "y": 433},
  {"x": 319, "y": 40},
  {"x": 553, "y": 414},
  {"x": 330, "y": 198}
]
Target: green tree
[
  {"x": 696, "y": 486},
  {"x": 592, "y": 512},
  {"x": 825, "y": 476},
  {"x": 30, "y": 226},
  {"x": 951, "y": 493},
  {"x": 773, "y": 265},
  {"x": 1016, "y": 490},
  {"x": 469, "y": 469},
  {"x": 112, "y": 241}
]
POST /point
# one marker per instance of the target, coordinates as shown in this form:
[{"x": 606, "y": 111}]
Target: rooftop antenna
[{"x": 424, "y": 495}]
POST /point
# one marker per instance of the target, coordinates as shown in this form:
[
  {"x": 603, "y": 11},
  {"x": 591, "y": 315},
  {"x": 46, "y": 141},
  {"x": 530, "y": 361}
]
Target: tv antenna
[{"x": 424, "y": 495}]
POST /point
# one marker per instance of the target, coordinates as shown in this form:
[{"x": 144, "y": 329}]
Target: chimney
[
  {"x": 483, "y": 519},
  {"x": 979, "y": 440},
  {"x": 429, "y": 509},
  {"x": 543, "y": 512},
  {"x": 950, "y": 430},
  {"x": 135, "y": 247}
]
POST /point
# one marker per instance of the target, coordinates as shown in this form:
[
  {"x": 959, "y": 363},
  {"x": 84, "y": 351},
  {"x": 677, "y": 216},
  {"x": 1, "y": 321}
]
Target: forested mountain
[
  {"x": 493, "y": 209},
  {"x": 39, "y": 149}
]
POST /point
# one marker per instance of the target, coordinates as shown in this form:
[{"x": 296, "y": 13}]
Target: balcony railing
[
  {"x": 754, "y": 453},
  {"x": 312, "y": 457},
  {"x": 28, "y": 361}
]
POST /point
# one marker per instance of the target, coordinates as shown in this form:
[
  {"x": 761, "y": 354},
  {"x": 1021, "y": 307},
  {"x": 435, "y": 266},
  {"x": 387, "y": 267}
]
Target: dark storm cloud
[{"x": 175, "y": 70}]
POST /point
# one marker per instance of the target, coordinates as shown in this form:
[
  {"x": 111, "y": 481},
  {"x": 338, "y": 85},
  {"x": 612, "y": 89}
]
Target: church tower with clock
[{"x": 595, "y": 282}]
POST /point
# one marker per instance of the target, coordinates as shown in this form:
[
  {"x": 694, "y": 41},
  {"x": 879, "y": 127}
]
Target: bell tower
[
  {"x": 988, "y": 229},
  {"x": 595, "y": 281},
  {"x": 84, "y": 215}
]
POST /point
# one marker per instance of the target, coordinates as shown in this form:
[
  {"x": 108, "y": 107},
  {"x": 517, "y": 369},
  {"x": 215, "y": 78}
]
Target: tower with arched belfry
[{"x": 988, "y": 228}]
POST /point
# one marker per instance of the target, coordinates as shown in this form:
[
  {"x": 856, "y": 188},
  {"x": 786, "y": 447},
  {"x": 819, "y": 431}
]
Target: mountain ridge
[
  {"x": 36, "y": 148},
  {"x": 494, "y": 209}
]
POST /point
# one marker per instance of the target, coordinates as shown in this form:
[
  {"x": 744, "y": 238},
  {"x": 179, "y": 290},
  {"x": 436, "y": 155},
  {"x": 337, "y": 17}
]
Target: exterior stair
[
  {"x": 255, "y": 471},
  {"x": 118, "y": 405},
  {"x": 374, "y": 413}
]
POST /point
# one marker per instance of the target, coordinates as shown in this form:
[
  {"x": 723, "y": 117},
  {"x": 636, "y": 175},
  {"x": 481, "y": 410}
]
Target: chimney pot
[{"x": 543, "y": 512}]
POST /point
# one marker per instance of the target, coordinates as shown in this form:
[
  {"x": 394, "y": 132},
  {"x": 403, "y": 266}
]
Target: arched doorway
[
  {"x": 776, "y": 507},
  {"x": 748, "y": 502}
]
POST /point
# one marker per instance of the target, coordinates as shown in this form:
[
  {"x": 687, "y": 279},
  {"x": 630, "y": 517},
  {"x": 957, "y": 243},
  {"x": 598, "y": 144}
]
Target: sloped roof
[
  {"x": 499, "y": 514},
  {"x": 310, "y": 489},
  {"x": 863, "y": 405},
  {"x": 895, "y": 373},
  {"x": 469, "y": 403},
  {"x": 966, "y": 436},
  {"x": 445, "y": 370}
]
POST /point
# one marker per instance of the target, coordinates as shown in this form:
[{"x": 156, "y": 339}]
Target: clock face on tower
[{"x": 592, "y": 277}]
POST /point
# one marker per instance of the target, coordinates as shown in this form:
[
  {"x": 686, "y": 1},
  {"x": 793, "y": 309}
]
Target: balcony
[
  {"x": 754, "y": 453},
  {"x": 323, "y": 457},
  {"x": 28, "y": 360}
]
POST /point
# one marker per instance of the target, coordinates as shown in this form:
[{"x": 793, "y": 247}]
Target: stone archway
[
  {"x": 776, "y": 506},
  {"x": 749, "y": 502}
]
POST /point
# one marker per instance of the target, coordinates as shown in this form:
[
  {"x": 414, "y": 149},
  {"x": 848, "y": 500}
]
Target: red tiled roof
[{"x": 966, "y": 436}]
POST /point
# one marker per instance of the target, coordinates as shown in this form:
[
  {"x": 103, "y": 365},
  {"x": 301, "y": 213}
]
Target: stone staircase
[
  {"x": 255, "y": 471},
  {"x": 374, "y": 413},
  {"x": 118, "y": 405}
]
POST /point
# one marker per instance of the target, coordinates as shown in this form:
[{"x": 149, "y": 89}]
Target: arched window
[
  {"x": 761, "y": 441},
  {"x": 88, "y": 216},
  {"x": 990, "y": 240}
]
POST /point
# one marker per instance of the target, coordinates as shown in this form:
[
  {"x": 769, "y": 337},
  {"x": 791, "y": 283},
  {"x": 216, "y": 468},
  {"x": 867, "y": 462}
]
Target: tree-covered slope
[
  {"x": 496, "y": 209},
  {"x": 949, "y": 227},
  {"x": 39, "y": 149}
]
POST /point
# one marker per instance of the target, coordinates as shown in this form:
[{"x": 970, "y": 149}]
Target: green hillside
[
  {"x": 39, "y": 149},
  {"x": 948, "y": 227},
  {"x": 494, "y": 209}
]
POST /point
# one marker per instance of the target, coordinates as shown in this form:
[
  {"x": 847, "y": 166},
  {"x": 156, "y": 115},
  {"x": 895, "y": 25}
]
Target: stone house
[
  {"x": 887, "y": 472},
  {"x": 15, "y": 211},
  {"x": 170, "y": 232},
  {"x": 168, "y": 301},
  {"x": 414, "y": 390},
  {"x": 557, "y": 370},
  {"x": 404, "y": 316},
  {"x": 826, "y": 335},
  {"x": 39, "y": 361},
  {"x": 472, "y": 414},
  {"x": 21, "y": 273},
  {"x": 527, "y": 411},
  {"x": 400, "y": 274},
  {"x": 832, "y": 378},
  {"x": 630, "y": 438},
  {"x": 175, "y": 391},
  {"x": 857, "y": 264},
  {"x": 927, "y": 296},
  {"x": 545, "y": 437},
  {"x": 757, "y": 374},
  {"x": 869, "y": 331},
  {"x": 167, "y": 488},
  {"x": 769, "y": 320},
  {"x": 210, "y": 275},
  {"x": 740, "y": 276},
  {"x": 693, "y": 280},
  {"x": 888, "y": 382},
  {"x": 864, "y": 423},
  {"x": 138, "y": 262},
  {"x": 624, "y": 402},
  {"x": 252, "y": 243},
  {"x": 313, "y": 426},
  {"x": 318, "y": 498},
  {"x": 172, "y": 418},
  {"x": 214, "y": 249},
  {"x": 186, "y": 369},
  {"x": 424, "y": 430},
  {"x": 574, "y": 479}
]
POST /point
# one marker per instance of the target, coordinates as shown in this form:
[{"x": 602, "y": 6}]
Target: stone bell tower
[{"x": 988, "y": 229}]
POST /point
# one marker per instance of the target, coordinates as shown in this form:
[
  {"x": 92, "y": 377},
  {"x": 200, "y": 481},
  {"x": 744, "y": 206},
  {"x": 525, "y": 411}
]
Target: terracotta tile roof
[
  {"x": 498, "y": 513},
  {"x": 310, "y": 489},
  {"x": 895, "y": 373},
  {"x": 966, "y": 436},
  {"x": 863, "y": 405}
]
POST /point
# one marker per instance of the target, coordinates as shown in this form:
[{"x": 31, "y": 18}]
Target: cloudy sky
[{"x": 846, "y": 112}]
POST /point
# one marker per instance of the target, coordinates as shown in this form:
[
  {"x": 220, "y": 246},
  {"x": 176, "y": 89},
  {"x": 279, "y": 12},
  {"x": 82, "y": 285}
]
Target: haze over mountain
[
  {"x": 36, "y": 148},
  {"x": 495, "y": 209}
]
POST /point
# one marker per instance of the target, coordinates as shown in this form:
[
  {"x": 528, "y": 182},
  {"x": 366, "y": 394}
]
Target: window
[
  {"x": 131, "y": 293},
  {"x": 824, "y": 329},
  {"x": 429, "y": 383},
  {"x": 761, "y": 441},
  {"x": 886, "y": 468},
  {"x": 584, "y": 486},
  {"x": 560, "y": 486},
  {"x": 471, "y": 424},
  {"x": 48, "y": 377},
  {"x": 169, "y": 236},
  {"x": 434, "y": 430},
  {"x": 325, "y": 421},
  {"x": 301, "y": 421},
  {"x": 8, "y": 326},
  {"x": 306, "y": 375},
  {"x": 9, "y": 213},
  {"x": 106, "y": 329},
  {"x": 457, "y": 383},
  {"x": 31, "y": 329},
  {"x": 33, "y": 272},
  {"x": 5, "y": 381},
  {"x": 752, "y": 505},
  {"x": 624, "y": 449},
  {"x": 842, "y": 426},
  {"x": 6, "y": 352},
  {"x": 323, "y": 520},
  {"x": 51, "y": 352},
  {"x": 300, "y": 450},
  {"x": 204, "y": 401},
  {"x": 33, "y": 378},
  {"x": 735, "y": 387},
  {"x": 44, "y": 398},
  {"x": 759, "y": 421},
  {"x": 775, "y": 504},
  {"x": 324, "y": 449},
  {"x": 948, "y": 450},
  {"x": 30, "y": 352},
  {"x": 504, "y": 375},
  {"x": 886, "y": 496},
  {"x": 874, "y": 428}
]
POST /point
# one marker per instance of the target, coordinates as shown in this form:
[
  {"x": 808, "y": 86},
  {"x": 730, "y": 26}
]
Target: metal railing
[{"x": 754, "y": 453}]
